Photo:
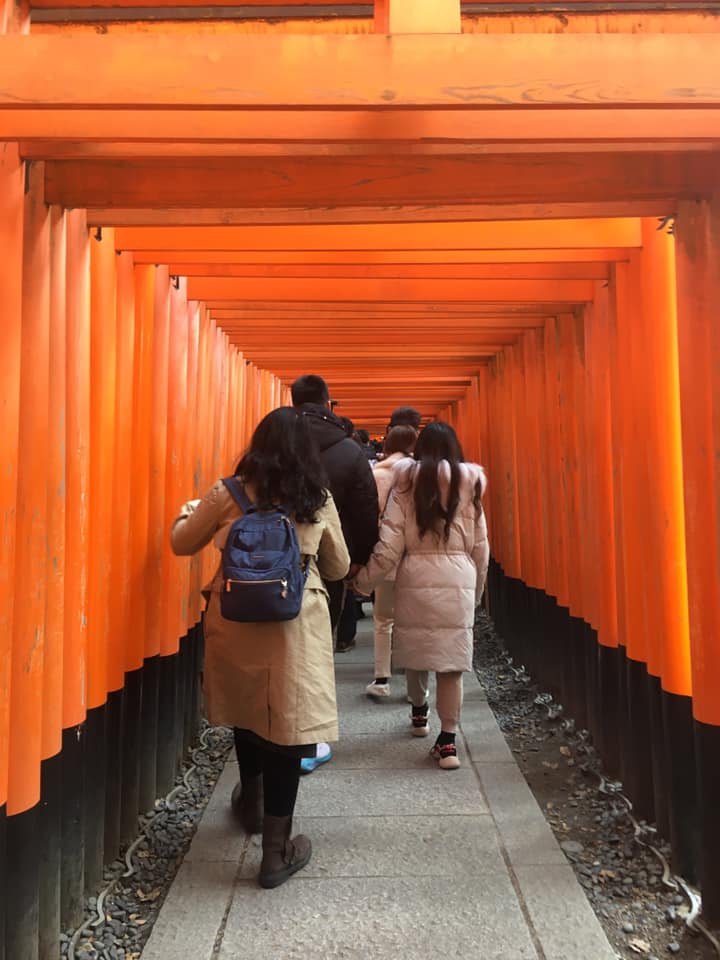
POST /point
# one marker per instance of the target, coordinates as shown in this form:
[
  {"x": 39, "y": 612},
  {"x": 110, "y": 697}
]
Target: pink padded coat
[{"x": 438, "y": 582}]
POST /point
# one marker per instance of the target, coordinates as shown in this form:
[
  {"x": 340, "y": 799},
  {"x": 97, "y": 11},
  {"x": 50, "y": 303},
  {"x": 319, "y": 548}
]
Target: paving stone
[
  {"x": 191, "y": 916},
  {"x": 367, "y": 751},
  {"x": 220, "y": 837},
  {"x": 524, "y": 830},
  {"x": 561, "y": 915},
  {"x": 331, "y": 792},
  {"x": 395, "y": 847},
  {"x": 354, "y": 919},
  {"x": 485, "y": 741}
]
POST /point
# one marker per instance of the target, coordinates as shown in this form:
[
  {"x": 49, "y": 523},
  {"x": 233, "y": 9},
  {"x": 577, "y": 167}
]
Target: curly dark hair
[
  {"x": 437, "y": 442},
  {"x": 283, "y": 467}
]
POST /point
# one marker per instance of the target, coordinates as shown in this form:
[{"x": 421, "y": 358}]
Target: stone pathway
[{"x": 409, "y": 861}]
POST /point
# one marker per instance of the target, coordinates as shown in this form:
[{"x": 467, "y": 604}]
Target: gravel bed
[
  {"x": 622, "y": 879},
  {"x": 118, "y": 928}
]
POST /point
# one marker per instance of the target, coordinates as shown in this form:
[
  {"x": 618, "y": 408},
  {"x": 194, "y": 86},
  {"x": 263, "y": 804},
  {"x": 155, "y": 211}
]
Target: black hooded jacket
[{"x": 350, "y": 479}]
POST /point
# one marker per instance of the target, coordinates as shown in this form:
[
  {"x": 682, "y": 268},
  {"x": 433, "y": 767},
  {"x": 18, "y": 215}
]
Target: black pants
[
  {"x": 347, "y": 625},
  {"x": 281, "y": 774}
]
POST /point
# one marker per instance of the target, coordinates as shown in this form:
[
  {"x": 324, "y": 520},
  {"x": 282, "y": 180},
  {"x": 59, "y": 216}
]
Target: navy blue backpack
[{"x": 262, "y": 569}]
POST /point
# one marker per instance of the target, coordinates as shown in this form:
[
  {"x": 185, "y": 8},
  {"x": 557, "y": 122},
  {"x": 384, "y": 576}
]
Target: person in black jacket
[{"x": 354, "y": 491}]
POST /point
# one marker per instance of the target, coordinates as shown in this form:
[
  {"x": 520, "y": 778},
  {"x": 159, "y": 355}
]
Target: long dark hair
[
  {"x": 437, "y": 442},
  {"x": 283, "y": 467}
]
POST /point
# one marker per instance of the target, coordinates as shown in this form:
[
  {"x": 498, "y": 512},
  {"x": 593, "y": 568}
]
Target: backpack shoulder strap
[{"x": 237, "y": 492}]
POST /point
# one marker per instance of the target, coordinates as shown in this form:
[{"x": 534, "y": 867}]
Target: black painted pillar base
[
  {"x": 94, "y": 766},
  {"x": 130, "y": 753},
  {"x": 707, "y": 751},
  {"x": 608, "y": 720},
  {"x": 3, "y": 877},
  {"x": 149, "y": 786},
  {"x": 72, "y": 869},
  {"x": 167, "y": 749},
  {"x": 638, "y": 777},
  {"x": 113, "y": 773},
  {"x": 682, "y": 784},
  {"x": 591, "y": 648},
  {"x": 49, "y": 822},
  {"x": 658, "y": 757},
  {"x": 22, "y": 906}
]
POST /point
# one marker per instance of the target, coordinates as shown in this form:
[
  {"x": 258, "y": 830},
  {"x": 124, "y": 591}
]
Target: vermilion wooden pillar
[
  {"x": 11, "y": 245},
  {"x": 665, "y": 551},
  {"x": 75, "y": 639},
  {"x": 697, "y": 233},
  {"x": 417, "y": 16},
  {"x": 31, "y": 587}
]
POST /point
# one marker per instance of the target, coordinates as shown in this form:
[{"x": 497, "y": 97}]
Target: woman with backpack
[
  {"x": 433, "y": 530},
  {"x": 272, "y": 681}
]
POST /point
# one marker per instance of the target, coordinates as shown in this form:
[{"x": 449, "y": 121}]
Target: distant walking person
[
  {"x": 405, "y": 416},
  {"x": 399, "y": 445},
  {"x": 273, "y": 682},
  {"x": 351, "y": 483},
  {"x": 433, "y": 530}
]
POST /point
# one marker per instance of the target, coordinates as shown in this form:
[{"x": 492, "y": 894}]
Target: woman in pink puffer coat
[{"x": 434, "y": 532}]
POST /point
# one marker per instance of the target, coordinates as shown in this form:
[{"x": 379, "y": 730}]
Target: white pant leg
[{"x": 383, "y": 614}]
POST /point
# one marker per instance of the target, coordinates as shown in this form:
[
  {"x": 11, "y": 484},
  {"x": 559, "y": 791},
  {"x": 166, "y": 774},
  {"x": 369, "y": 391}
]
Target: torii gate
[{"x": 483, "y": 206}]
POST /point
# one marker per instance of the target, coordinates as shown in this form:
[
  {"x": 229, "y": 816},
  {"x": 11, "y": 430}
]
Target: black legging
[{"x": 281, "y": 774}]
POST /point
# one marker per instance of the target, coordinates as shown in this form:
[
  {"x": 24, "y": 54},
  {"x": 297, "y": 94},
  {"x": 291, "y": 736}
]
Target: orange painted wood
[
  {"x": 487, "y": 236},
  {"x": 618, "y": 430},
  {"x": 139, "y": 487},
  {"x": 102, "y": 417},
  {"x": 157, "y": 543},
  {"x": 668, "y": 607},
  {"x": 56, "y": 467},
  {"x": 658, "y": 206},
  {"x": 11, "y": 246},
  {"x": 122, "y": 617},
  {"x": 175, "y": 582},
  {"x": 417, "y": 16},
  {"x": 635, "y": 483},
  {"x": 698, "y": 280},
  {"x": 374, "y": 181},
  {"x": 570, "y": 344},
  {"x": 600, "y": 493},
  {"x": 377, "y": 256},
  {"x": 193, "y": 436},
  {"x": 31, "y": 555},
  {"x": 97, "y": 132},
  {"x": 439, "y": 271},
  {"x": 75, "y": 641},
  {"x": 470, "y": 71},
  {"x": 498, "y": 291},
  {"x": 554, "y": 516}
]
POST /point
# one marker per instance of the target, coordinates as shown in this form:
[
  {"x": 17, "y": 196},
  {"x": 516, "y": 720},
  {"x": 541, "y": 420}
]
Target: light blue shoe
[{"x": 323, "y": 754}]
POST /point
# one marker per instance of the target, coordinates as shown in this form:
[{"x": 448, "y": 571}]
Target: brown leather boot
[
  {"x": 247, "y": 804},
  {"x": 282, "y": 857}
]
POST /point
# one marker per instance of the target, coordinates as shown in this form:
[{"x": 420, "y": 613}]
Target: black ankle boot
[{"x": 282, "y": 857}]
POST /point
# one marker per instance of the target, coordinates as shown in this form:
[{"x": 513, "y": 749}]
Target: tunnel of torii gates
[{"x": 502, "y": 217}]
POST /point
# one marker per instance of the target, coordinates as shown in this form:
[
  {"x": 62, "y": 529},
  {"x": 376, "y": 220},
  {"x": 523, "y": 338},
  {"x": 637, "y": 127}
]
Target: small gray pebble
[{"x": 628, "y": 927}]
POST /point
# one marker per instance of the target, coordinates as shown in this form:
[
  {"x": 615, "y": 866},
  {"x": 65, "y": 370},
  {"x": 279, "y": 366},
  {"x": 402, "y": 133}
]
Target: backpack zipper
[{"x": 245, "y": 583}]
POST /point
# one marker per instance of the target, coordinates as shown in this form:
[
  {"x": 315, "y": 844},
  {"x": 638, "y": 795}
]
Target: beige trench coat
[
  {"x": 438, "y": 583},
  {"x": 276, "y": 679}
]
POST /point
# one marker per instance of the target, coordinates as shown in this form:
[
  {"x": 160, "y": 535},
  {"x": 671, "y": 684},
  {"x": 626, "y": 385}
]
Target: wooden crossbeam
[
  {"x": 120, "y": 133},
  {"x": 491, "y": 236},
  {"x": 332, "y": 291},
  {"x": 389, "y": 213},
  {"x": 440, "y": 271},
  {"x": 175, "y": 258},
  {"x": 469, "y": 71},
  {"x": 314, "y": 182}
]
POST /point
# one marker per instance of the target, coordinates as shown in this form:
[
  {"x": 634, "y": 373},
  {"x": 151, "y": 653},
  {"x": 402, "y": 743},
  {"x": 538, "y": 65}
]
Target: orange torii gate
[{"x": 180, "y": 237}]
